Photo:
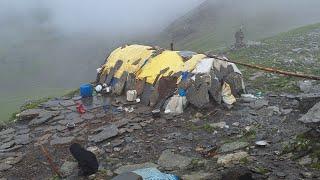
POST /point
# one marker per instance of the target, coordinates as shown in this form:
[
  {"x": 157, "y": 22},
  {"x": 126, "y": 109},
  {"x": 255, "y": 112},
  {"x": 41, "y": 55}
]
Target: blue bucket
[
  {"x": 182, "y": 92},
  {"x": 86, "y": 90},
  {"x": 184, "y": 75}
]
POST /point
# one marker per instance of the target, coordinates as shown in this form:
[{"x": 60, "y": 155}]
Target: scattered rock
[
  {"x": 229, "y": 147},
  {"x": 7, "y": 131},
  {"x": 312, "y": 116},
  {"x": 258, "y": 104},
  {"x": 67, "y": 103},
  {"x": 237, "y": 173},
  {"x": 306, "y": 160},
  {"x": 7, "y": 145},
  {"x": 198, "y": 176},
  {"x": 23, "y": 139},
  {"x": 30, "y": 114},
  {"x": 170, "y": 160},
  {"x": 129, "y": 168},
  {"x": 5, "y": 166},
  {"x": 230, "y": 158},
  {"x": 107, "y": 132},
  {"x": 68, "y": 167},
  {"x": 220, "y": 125},
  {"x": 61, "y": 140},
  {"x": 44, "y": 118}
]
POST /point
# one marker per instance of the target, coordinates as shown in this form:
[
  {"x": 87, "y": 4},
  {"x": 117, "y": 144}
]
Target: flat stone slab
[
  {"x": 229, "y": 147},
  {"x": 68, "y": 167},
  {"x": 22, "y": 139},
  {"x": 44, "y": 118},
  {"x": 7, "y": 131},
  {"x": 107, "y": 132},
  {"x": 5, "y": 166},
  {"x": 258, "y": 104},
  {"x": 230, "y": 158},
  {"x": 170, "y": 160},
  {"x": 312, "y": 116},
  {"x": 198, "y": 176},
  {"x": 130, "y": 168},
  {"x": 30, "y": 114},
  {"x": 67, "y": 103},
  {"x": 62, "y": 140},
  {"x": 7, "y": 145}
]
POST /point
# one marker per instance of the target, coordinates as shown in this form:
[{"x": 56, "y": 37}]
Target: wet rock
[
  {"x": 121, "y": 123},
  {"x": 13, "y": 159},
  {"x": 11, "y": 149},
  {"x": 30, "y": 114},
  {"x": 312, "y": 116},
  {"x": 88, "y": 116},
  {"x": 305, "y": 161},
  {"x": 237, "y": 173},
  {"x": 281, "y": 175},
  {"x": 258, "y": 104},
  {"x": 107, "y": 132},
  {"x": 230, "y": 147},
  {"x": 230, "y": 158},
  {"x": 61, "y": 140},
  {"x": 7, "y": 145},
  {"x": 220, "y": 125},
  {"x": 198, "y": 176},
  {"x": 68, "y": 167},
  {"x": 198, "y": 96},
  {"x": 67, "y": 103},
  {"x": 6, "y": 132},
  {"x": 5, "y": 166},
  {"x": 44, "y": 118},
  {"x": 22, "y": 139},
  {"x": 23, "y": 131},
  {"x": 305, "y": 86},
  {"x": 170, "y": 160},
  {"x": 129, "y": 168}
]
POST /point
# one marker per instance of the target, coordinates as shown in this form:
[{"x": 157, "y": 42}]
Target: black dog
[{"x": 87, "y": 161}]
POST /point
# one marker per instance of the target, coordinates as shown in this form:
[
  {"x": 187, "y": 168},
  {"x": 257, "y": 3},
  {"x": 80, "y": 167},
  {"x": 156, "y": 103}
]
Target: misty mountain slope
[
  {"x": 42, "y": 62},
  {"x": 297, "y": 50},
  {"x": 212, "y": 24}
]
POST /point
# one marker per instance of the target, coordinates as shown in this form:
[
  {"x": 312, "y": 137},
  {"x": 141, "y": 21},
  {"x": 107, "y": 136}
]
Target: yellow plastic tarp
[
  {"x": 167, "y": 59},
  {"x": 139, "y": 59},
  {"x": 129, "y": 55}
]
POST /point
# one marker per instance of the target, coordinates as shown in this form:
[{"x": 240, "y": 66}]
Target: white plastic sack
[
  {"x": 176, "y": 105},
  {"x": 227, "y": 96}
]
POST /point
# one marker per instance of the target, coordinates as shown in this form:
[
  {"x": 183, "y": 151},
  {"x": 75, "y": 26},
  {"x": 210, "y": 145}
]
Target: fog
[{"x": 47, "y": 46}]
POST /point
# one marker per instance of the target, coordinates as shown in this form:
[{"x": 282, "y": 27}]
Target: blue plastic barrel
[{"x": 86, "y": 90}]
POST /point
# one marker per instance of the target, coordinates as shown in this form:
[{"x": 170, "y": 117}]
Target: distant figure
[
  {"x": 87, "y": 161},
  {"x": 239, "y": 39}
]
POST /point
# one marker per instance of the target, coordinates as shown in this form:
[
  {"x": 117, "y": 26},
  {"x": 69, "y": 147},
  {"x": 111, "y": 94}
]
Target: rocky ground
[{"x": 199, "y": 144}]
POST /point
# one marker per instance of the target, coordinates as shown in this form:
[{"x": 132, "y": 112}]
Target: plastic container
[
  {"x": 131, "y": 95},
  {"x": 182, "y": 92},
  {"x": 86, "y": 90}
]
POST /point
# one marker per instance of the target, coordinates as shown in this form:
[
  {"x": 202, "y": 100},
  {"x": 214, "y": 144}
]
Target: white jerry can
[{"x": 131, "y": 95}]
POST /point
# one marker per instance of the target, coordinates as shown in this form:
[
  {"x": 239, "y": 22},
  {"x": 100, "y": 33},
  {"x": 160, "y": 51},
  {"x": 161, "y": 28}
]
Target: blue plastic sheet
[{"x": 154, "y": 174}]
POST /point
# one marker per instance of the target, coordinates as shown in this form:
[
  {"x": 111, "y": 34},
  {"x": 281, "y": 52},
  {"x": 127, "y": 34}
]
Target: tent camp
[{"x": 157, "y": 74}]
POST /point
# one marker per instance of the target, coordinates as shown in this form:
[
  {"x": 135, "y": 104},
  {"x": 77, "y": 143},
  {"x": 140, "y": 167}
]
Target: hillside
[
  {"x": 296, "y": 50},
  {"x": 212, "y": 24}
]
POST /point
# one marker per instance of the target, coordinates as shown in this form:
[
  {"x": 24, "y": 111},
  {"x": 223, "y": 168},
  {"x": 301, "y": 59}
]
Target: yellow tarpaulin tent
[{"x": 141, "y": 60}]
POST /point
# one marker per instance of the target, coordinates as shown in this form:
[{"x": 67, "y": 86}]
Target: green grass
[
  {"x": 273, "y": 53},
  {"x": 10, "y": 103}
]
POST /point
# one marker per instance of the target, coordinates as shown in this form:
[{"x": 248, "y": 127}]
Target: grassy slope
[
  {"x": 212, "y": 25},
  {"x": 277, "y": 52}
]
